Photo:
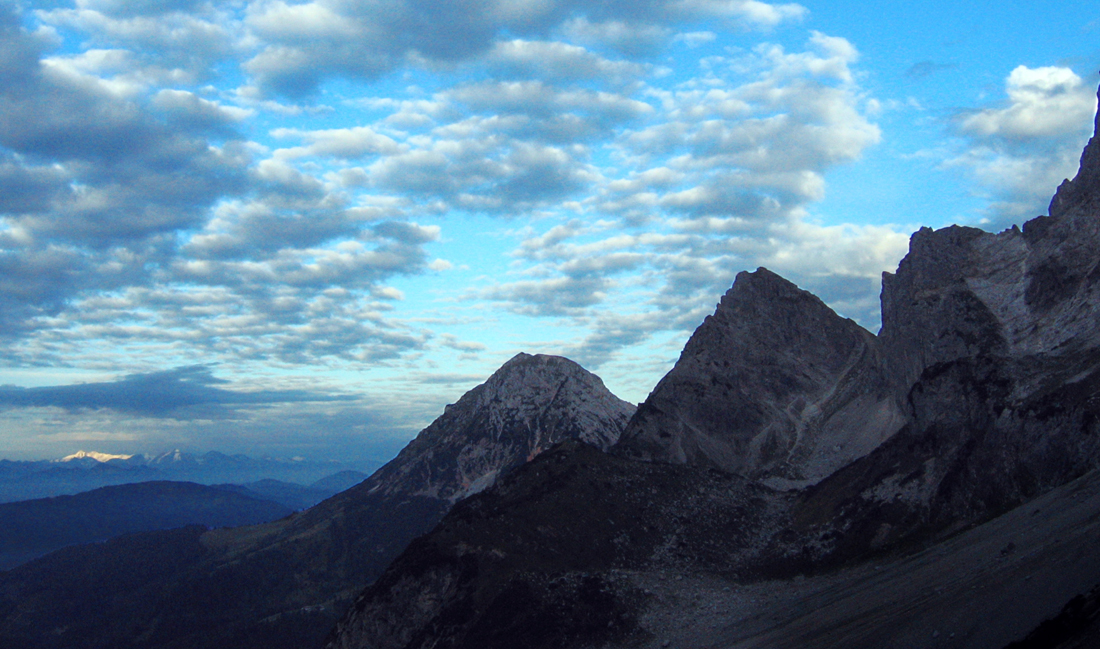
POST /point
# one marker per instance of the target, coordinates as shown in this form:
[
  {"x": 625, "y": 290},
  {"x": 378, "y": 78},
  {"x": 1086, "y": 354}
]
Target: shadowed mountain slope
[
  {"x": 31, "y": 528},
  {"x": 284, "y": 584},
  {"x": 989, "y": 352},
  {"x": 774, "y": 386}
]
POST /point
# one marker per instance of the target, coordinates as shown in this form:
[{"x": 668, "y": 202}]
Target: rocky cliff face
[
  {"x": 986, "y": 378},
  {"x": 1083, "y": 192},
  {"x": 527, "y": 406},
  {"x": 284, "y": 584},
  {"x": 774, "y": 386},
  {"x": 992, "y": 342},
  {"x": 1029, "y": 295}
]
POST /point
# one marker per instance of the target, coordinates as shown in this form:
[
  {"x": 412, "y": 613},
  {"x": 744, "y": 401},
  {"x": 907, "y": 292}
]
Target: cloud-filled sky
[{"x": 301, "y": 228}]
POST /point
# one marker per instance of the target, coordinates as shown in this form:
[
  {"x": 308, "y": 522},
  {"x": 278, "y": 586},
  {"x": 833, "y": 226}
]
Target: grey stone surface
[
  {"x": 967, "y": 517},
  {"x": 774, "y": 386},
  {"x": 525, "y": 407}
]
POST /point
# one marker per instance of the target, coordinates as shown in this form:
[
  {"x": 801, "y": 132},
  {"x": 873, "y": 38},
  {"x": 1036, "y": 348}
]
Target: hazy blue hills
[
  {"x": 32, "y": 528},
  {"x": 296, "y": 496},
  {"x": 26, "y": 480}
]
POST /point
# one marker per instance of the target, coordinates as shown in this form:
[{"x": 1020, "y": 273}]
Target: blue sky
[{"x": 301, "y": 228}]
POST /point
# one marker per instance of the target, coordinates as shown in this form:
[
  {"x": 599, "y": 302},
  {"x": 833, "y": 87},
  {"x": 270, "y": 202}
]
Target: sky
[{"x": 302, "y": 228}]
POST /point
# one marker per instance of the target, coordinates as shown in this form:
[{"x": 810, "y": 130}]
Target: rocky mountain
[
  {"x": 992, "y": 339},
  {"x": 285, "y": 583},
  {"x": 965, "y": 516},
  {"x": 527, "y": 406},
  {"x": 774, "y": 386}
]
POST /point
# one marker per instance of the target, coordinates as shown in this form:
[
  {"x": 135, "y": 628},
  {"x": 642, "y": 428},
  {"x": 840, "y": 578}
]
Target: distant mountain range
[
  {"x": 282, "y": 585},
  {"x": 87, "y": 470},
  {"x": 34, "y": 527}
]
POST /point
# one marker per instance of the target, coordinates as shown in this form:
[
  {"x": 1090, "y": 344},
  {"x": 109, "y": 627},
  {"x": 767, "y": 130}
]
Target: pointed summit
[
  {"x": 287, "y": 581},
  {"x": 1084, "y": 189},
  {"x": 94, "y": 455},
  {"x": 525, "y": 407},
  {"x": 773, "y": 386}
]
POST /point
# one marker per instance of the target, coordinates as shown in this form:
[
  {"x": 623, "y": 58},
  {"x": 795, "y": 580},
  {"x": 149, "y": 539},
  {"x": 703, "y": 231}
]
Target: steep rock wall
[{"x": 774, "y": 386}]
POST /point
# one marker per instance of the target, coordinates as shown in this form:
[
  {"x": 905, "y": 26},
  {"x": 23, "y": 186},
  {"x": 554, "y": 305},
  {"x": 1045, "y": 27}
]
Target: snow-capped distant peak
[
  {"x": 94, "y": 455},
  {"x": 170, "y": 456}
]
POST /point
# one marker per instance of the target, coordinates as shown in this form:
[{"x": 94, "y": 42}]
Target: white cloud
[
  {"x": 185, "y": 41},
  {"x": 303, "y": 44},
  {"x": 344, "y": 143},
  {"x": 642, "y": 191},
  {"x": 631, "y": 39},
  {"x": 696, "y": 39},
  {"x": 557, "y": 61},
  {"x": 193, "y": 111},
  {"x": 720, "y": 173},
  {"x": 1048, "y": 102},
  {"x": 1018, "y": 152}
]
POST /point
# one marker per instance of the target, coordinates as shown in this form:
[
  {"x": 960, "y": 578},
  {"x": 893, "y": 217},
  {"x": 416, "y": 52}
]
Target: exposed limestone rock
[
  {"x": 990, "y": 342},
  {"x": 1084, "y": 190},
  {"x": 994, "y": 344},
  {"x": 1029, "y": 295},
  {"x": 527, "y": 406},
  {"x": 774, "y": 386}
]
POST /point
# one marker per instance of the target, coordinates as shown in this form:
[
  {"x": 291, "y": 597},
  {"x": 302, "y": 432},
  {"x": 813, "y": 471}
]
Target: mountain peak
[
  {"x": 94, "y": 455},
  {"x": 1084, "y": 189},
  {"x": 529, "y": 404},
  {"x": 773, "y": 386},
  {"x": 962, "y": 292}
]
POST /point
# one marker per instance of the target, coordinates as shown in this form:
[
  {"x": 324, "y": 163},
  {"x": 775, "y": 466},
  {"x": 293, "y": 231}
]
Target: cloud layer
[
  {"x": 411, "y": 187},
  {"x": 1019, "y": 151},
  {"x": 181, "y": 393}
]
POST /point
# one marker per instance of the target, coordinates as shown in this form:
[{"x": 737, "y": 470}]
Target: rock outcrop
[
  {"x": 774, "y": 386},
  {"x": 992, "y": 342},
  {"x": 527, "y": 406},
  {"x": 1083, "y": 192},
  {"x": 981, "y": 393},
  {"x": 544, "y": 558},
  {"x": 284, "y": 584}
]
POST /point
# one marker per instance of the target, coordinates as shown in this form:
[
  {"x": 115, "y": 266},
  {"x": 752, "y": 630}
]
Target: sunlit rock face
[
  {"x": 527, "y": 406},
  {"x": 774, "y": 386}
]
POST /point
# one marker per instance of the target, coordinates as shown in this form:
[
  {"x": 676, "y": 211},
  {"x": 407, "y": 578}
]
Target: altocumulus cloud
[
  {"x": 1018, "y": 151},
  {"x": 147, "y": 212},
  {"x": 295, "y": 186},
  {"x": 181, "y": 393}
]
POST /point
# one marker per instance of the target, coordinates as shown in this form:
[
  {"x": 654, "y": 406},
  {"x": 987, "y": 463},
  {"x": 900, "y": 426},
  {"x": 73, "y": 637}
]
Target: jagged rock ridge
[
  {"x": 774, "y": 386},
  {"x": 1083, "y": 192},
  {"x": 527, "y": 406},
  {"x": 284, "y": 584},
  {"x": 990, "y": 348}
]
